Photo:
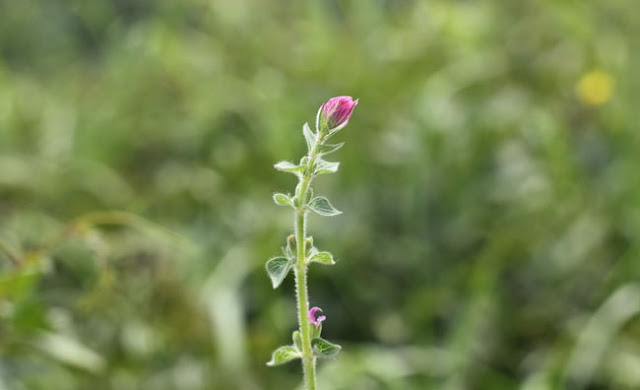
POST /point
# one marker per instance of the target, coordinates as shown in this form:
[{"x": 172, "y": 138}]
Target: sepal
[
  {"x": 284, "y": 354},
  {"x": 320, "y": 122},
  {"x": 315, "y": 331},
  {"x": 329, "y": 148},
  {"x": 336, "y": 129}
]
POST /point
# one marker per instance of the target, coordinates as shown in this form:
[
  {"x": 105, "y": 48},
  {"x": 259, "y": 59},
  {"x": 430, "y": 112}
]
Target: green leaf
[
  {"x": 278, "y": 268},
  {"x": 324, "y": 349},
  {"x": 323, "y": 166},
  {"x": 323, "y": 258},
  {"x": 282, "y": 199},
  {"x": 329, "y": 148},
  {"x": 297, "y": 340},
  {"x": 283, "y": 355},
  {"x": 286, "y": 166},
  {"x": 321, "y": 206},
  {"x": 309, "y": 136}
]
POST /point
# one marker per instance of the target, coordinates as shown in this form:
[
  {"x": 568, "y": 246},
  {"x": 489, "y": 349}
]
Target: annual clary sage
[{"x": 299, "y": 251}]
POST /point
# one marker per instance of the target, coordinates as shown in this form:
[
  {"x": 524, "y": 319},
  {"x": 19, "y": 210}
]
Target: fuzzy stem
[
  {"x": 308, "y": 361},
  {"x": 302, "y": 295}
]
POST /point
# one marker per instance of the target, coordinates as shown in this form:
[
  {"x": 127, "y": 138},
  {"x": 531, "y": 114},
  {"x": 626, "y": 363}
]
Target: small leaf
[
  {"x": 309, "y": 136},
  {"x": 282, "y": 199},
  {"x": 321, "y": 206},
  {"x": 329, "y": 148},
  {"x": 288, "y": 250},
  {"x": 286, "y": 166},
  {"x": 297, "y": 340},
  {"x": 308, "y": 246},
  {"x": 283, "y": 355},
  {"x": 324, "y": 349},
  {"x": 323, "y": 166},
  {"x": 323, "y": 258},
  {"x": 278, "y": 268}
]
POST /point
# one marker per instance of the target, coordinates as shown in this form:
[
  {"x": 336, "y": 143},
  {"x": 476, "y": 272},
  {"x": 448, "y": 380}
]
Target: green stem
[
  {"x": 308, "y": 361},
  {"x": 302, "y": 295}
]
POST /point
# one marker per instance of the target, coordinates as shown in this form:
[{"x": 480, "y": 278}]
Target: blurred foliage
[{"x": 489, "y": 183}]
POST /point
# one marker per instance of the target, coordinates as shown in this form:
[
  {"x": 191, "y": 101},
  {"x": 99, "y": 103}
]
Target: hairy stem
[
  {"x": 308, "y": 361},
  {"x": 302, "y": 295}
]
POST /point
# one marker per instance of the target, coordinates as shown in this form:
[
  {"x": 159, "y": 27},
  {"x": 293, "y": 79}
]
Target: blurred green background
[{"x": 489, "y": 182}]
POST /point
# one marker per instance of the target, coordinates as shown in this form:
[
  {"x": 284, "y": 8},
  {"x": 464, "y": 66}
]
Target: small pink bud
[
  {"x": 312, "y": 316},
  {"x": 337, "y": 111}
]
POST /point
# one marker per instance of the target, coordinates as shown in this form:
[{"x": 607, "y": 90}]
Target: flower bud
[{"x": 335, "y": 113}]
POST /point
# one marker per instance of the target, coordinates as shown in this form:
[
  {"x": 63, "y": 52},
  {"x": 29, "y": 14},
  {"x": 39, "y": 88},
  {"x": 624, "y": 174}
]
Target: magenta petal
[{"x": 312, "y": 316}]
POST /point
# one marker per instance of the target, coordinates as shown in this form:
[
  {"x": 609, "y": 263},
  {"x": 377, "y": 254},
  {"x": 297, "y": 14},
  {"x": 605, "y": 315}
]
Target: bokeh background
[{"x": 489, "y": 182}]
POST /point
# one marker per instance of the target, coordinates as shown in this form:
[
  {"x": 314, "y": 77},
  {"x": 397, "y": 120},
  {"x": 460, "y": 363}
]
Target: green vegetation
[{"x": 490, "y": 185}]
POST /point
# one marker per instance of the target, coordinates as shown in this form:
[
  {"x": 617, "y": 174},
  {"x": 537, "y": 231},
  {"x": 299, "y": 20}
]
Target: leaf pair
[
  {"x": 319, "y": 205},
  {"x": 320, "y": 167},
  {"x": 278, "y": 267},
  {"x": 321, "y": 349}
]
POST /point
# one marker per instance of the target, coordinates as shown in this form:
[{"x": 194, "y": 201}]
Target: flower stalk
[{"x": 307, "y": 343}]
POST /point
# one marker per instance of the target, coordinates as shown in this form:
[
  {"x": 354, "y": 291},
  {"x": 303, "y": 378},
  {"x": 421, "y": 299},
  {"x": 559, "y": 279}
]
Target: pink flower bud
[
  {"x": 312, "y": 316},
  {"x": 337, "y": 111}
]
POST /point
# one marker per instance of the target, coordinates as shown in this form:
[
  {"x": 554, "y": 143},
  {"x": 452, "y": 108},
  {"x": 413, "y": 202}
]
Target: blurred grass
[{"x": 489, "y": 183}]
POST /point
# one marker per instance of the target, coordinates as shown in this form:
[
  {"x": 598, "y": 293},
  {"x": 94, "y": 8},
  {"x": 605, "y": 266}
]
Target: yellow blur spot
[{"x": 595, "y": 88}]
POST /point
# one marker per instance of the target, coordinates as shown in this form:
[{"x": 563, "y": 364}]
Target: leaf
[
  {"x": 321, "y": 206},
  {"x": 283, "y": 355},
  {"x": 325, "y": 258},
  {"x": 309, "y": 136},
  {"x": 323, "y": 166},
  {"x": 278, "y": 268},
  {"x": 286, "y": 166},
  {"x": 324, "y": 349},
  {"x": 282, "y": 199},
  {"x": 329, "y": 148},
  {"x": 297, "y": 340}
]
